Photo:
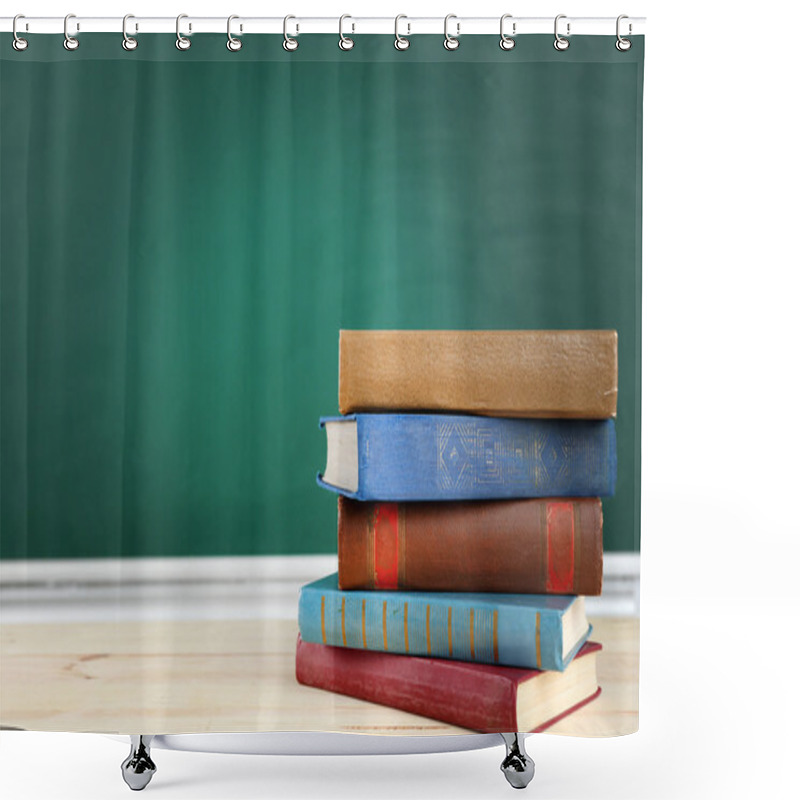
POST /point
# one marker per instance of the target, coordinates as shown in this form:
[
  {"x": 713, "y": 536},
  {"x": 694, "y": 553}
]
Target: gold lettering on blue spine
[{"x": 476, "y": 453}]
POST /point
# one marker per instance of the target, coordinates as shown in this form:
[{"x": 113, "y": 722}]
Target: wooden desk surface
[{"x": 225, "y": 676}]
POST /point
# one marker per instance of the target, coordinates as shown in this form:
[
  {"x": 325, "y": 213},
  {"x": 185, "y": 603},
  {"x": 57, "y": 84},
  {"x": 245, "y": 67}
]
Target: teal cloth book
[
  {"x": 533, "y": 631},
  {"x": 407, "y": 457}
]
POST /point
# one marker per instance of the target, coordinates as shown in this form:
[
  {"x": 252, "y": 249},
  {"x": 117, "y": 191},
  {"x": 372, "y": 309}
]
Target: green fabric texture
[{"x": 184, "y": 234}]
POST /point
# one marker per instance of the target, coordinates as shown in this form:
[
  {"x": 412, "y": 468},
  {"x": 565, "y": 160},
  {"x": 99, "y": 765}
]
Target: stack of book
[{"x": 470, "y": 466}]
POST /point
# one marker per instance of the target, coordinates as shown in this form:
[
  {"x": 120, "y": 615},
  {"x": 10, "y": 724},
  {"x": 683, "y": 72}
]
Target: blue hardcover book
[
  {"x": 403, "y": 457},
  {"x": 516, "y": 630}
]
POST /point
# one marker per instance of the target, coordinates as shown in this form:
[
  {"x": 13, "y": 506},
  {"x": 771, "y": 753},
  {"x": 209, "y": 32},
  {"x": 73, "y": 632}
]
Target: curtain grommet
[
  {"x": 70, "y": 42},
  {"x": 451, "y": 42},
  {"x": 507, "y": 42},
  {"x": 182, "y": 42},
  {"x": 18, "y": 43},
  {"x": 560, "y": 43},
  {"x": 345, "y": 42},
  {"x": 128, "y": 42},
  {"x": 290, "y": 44},
  {"x": 233, "y": 44},
  {"x": 401, "y": 42}
]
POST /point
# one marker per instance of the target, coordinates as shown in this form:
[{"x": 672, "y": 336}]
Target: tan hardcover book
[{"x": 569, "y": 374}]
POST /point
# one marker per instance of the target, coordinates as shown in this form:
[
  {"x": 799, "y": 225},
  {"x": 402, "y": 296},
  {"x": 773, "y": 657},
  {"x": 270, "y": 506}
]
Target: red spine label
[
  {"x": 560, "y": 548},
  {"x": 386, "y": 545}
]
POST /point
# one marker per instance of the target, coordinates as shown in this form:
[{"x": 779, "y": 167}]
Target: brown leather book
[
  {"x": 492, "y": 373},
  {"x": 542, "y": 546}
]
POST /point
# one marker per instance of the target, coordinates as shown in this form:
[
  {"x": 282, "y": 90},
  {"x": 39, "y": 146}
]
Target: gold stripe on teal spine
[
  {"x": 472, "y": 633},
  {"x": 495, "y": 647},
  {"x": 450, "y": 630},
  {"x": 385, "y": 639},
  {"x": 428, "y": 627},
  {"x": 364, "y": 622},
  {"x": 538, "y": 641},
  {"x": 344, "y": 634}
]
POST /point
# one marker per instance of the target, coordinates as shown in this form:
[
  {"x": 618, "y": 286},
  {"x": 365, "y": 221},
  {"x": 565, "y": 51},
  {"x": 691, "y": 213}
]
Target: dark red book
[
  {"x": 540, "y": 546},
  {"x": 480, "y": 697}
]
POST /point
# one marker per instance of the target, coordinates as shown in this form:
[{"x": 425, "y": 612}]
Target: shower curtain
[{"x": 184, "y": 236}]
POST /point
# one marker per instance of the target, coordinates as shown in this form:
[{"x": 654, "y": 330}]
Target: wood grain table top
[{"x": 234, "y": 676}]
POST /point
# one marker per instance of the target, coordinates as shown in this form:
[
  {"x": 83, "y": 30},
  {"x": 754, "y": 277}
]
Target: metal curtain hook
[
  {"x": 451, "y": 42},
  {"x": 507, "y": 42},
  {"x": 400, "y": 42},
  {"x": 128, "y": 42},
  {"x": 289, "y": 43},
  {"x": 345, "y": 42},
  {"x": 623, "y": 44},
  {"x": 70, "y": 42},
  {"x": 181, "y": 42},
  {"x": 233, "y": 44},
  {"x": 18, "y": 43},
  {"x": 560, "y": 42}
]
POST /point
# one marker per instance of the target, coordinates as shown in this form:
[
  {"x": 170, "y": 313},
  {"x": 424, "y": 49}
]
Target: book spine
[
  {"x": 436, "y": 625},
  {"x": 495, "y": 373},
  {"x": 406, "y": 457},
  {"x": 550, "y": 546},
  {"x": 437, "y": 689}
]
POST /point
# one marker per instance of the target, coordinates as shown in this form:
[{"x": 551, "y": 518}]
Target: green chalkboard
[{"x": 184, "y": 234}]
